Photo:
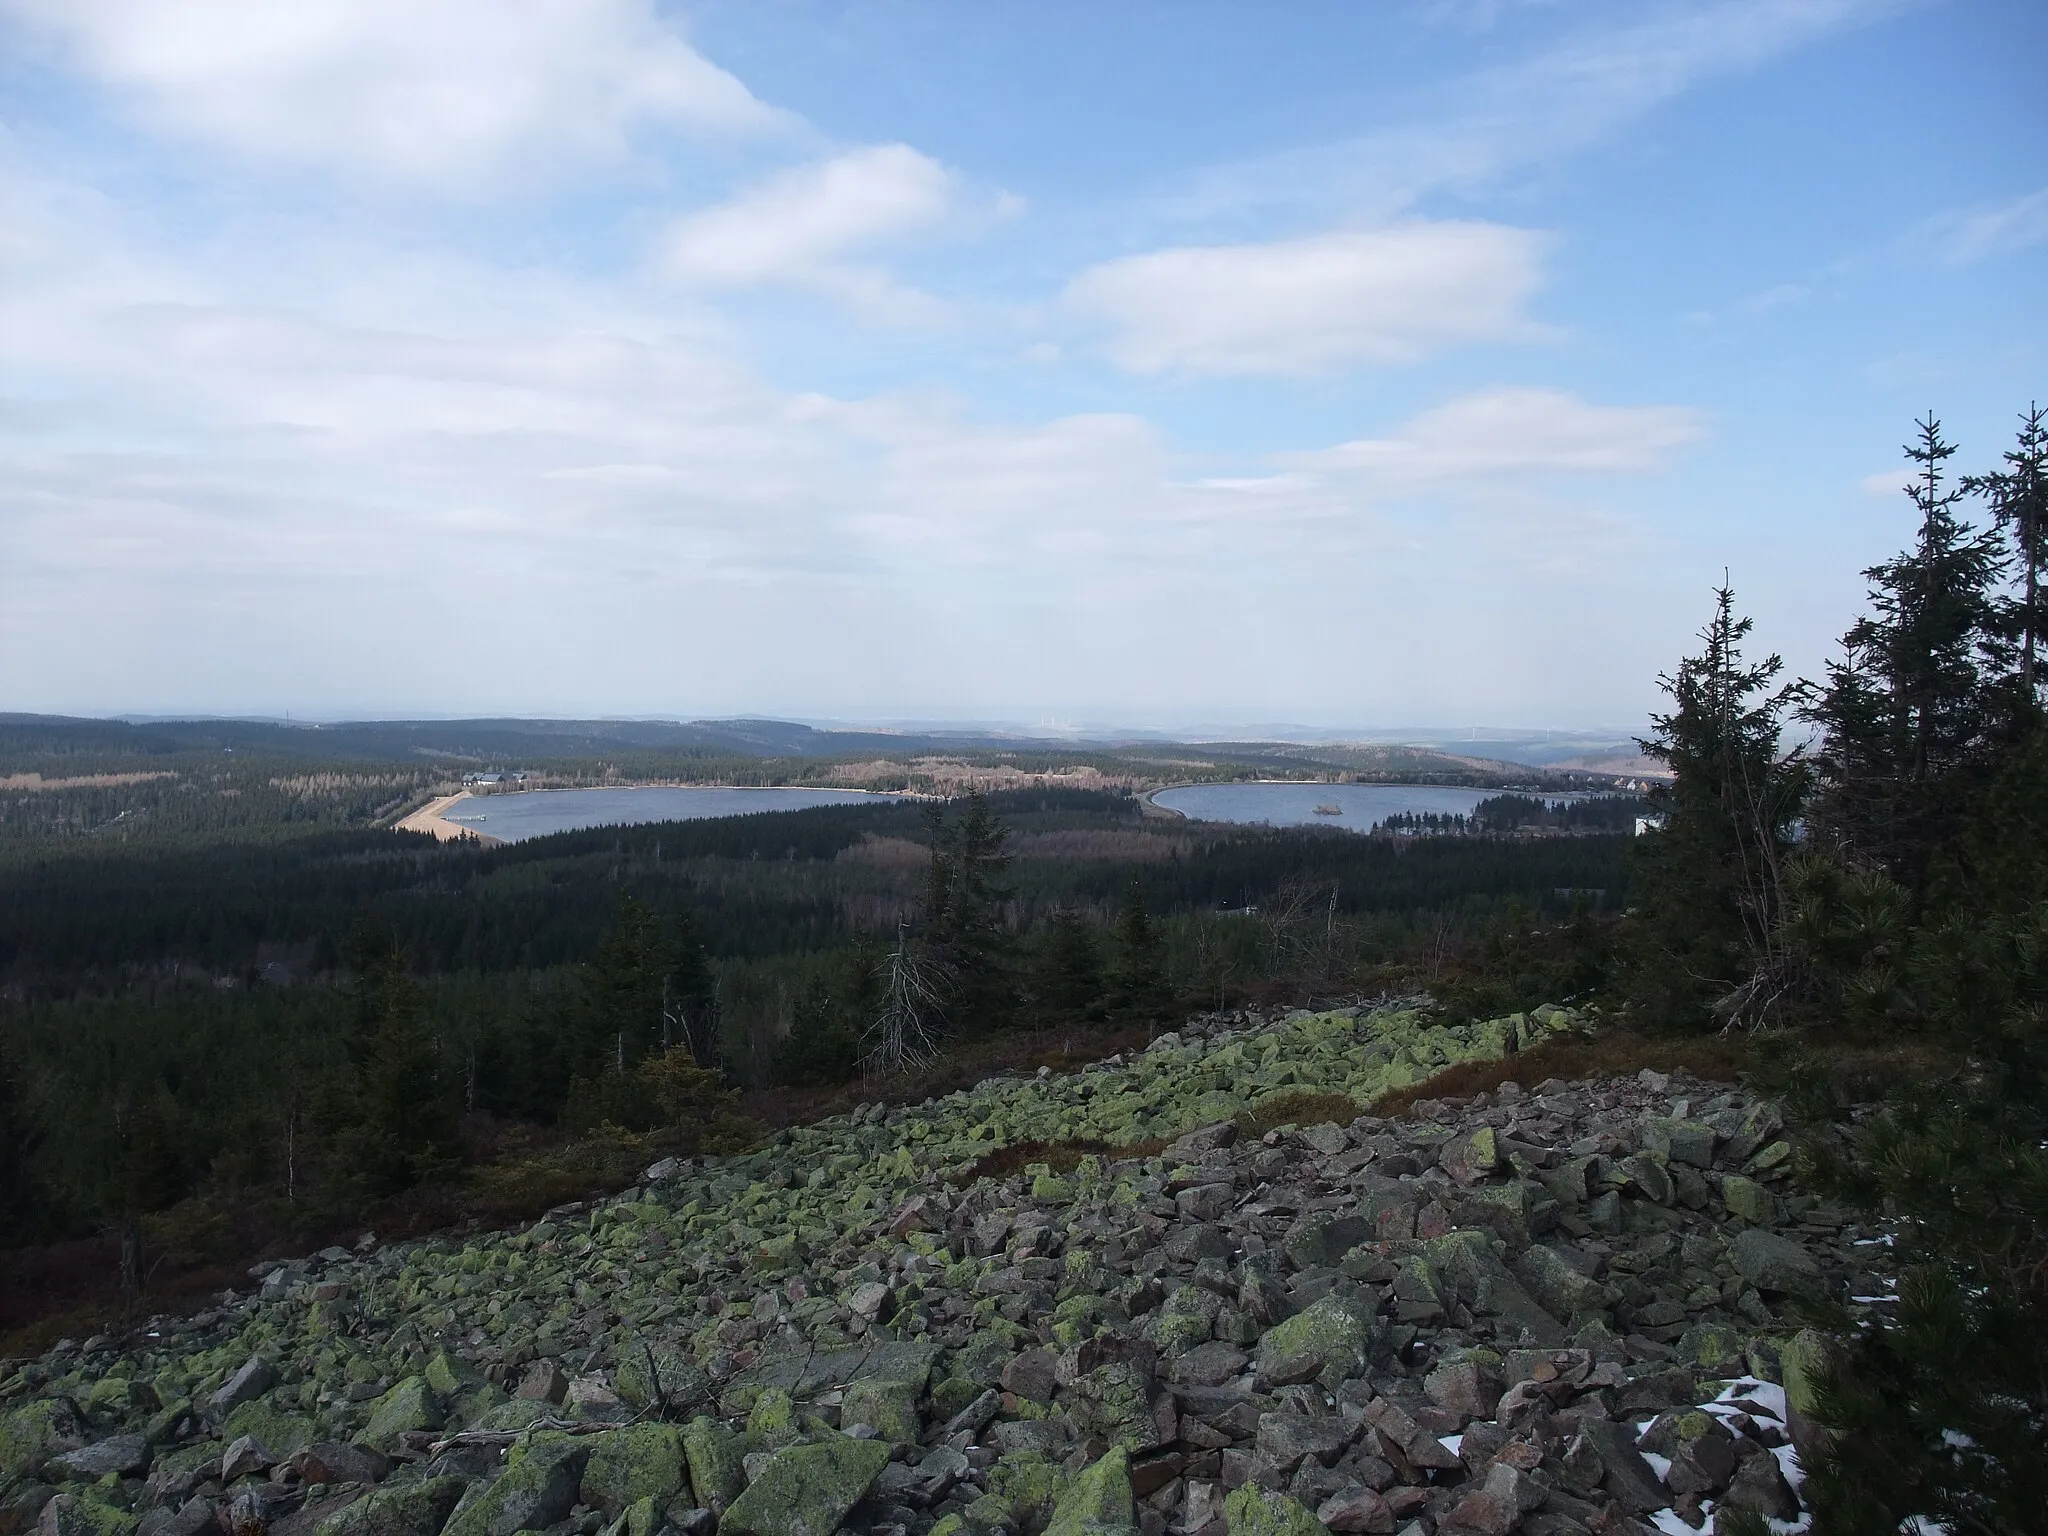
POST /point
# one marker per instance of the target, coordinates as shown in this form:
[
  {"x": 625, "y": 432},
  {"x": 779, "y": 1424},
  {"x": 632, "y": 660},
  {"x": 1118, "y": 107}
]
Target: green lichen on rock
[
  {"x": 277, "y": 1432},
  {"x": 717, "y": 1467},
  {"x": 1330, "y": 1340},
  {"x": 74, "y": 1515},
  {"x": 538, "y": 1488},
  {"x": 1252, "y": 1511},
  {"x": 644, "y": 1461},
  {"x": 409, "y": 1406},
  {"x": 807, "y": 1490},
  {"x": 1023, "y": 1489},
  {"x": 772, "y": 1422},
  {"x": 30, "y": 1436},
  {"x": 404, "y": 1509},
  {"x": 1097, "y": 1502},
  {"x": 889, "y": 1407}
]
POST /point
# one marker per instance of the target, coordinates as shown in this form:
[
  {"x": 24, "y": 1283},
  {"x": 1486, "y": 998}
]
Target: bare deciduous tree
[{"x": 904, "y": 1034}]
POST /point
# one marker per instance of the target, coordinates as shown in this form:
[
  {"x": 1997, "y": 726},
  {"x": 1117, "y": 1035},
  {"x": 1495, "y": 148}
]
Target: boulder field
[{"x": 1556, "y": 1309}]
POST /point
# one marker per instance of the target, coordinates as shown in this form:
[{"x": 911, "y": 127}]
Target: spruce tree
[
  {"x": 1906, "y": 717},
  {"x": 1066, "y": 978},
  {"x": 1139, "y": 991},
  {"x": 1712, "y": 877},
  {"x": 404, "y": 1095},
  {"x": 965, "y": 935},
  {"x": 2018, "y": 495}
]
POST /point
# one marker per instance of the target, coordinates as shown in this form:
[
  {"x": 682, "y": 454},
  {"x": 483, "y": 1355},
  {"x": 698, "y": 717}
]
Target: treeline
[
  {"x": 759, "y": 886},
  {"x": 1502, "y": 815},
  {"x": 1882, "y": 898}
]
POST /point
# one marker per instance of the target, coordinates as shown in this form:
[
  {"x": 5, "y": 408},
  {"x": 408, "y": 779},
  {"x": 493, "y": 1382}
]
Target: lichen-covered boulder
[
  {"x": 807, "y": 1490},
  {"x": 1097, "y": 1502},
  {"x": 1252, "y": 1511},
  {"x": 411, "y": 1405},
  {"x": 645, "y": 1461},
  {"x": 70, "y": 1515},
  {"x": 661, "y": 1373},
  {"x": 889, "y": 1407},
  {"x": 407, "y": 1509},
  {"x": 717, "y": 1466},
  {"x": 538, "y": 1488},
  {"x": 1330, "y": 1340},
  {"x": 30, "y": 1436},
  {"x": 278, "y": 1432}
]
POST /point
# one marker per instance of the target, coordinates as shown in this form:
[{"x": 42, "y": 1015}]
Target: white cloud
[
  {"x": 1316, "y": 304},
  {"x": 441, "y": 93},
  {"x": 1964, "y": 237},
  {"x": 1501, "y": 120},
  {"x": 1510, "y": 431},
  {"x": 799, "y": 226}
]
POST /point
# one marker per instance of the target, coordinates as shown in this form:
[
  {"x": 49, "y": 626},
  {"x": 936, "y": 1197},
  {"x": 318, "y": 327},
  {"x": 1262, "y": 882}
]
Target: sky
[{"x": 1420, "y": 362}]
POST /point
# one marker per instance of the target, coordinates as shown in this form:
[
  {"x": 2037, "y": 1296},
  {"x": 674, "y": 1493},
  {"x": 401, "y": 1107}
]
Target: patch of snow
[
  {"x": 1668, "y": 1522},
  {"x": 1450, "y": 1442},
  {"x": 1661, "y": 1465}
]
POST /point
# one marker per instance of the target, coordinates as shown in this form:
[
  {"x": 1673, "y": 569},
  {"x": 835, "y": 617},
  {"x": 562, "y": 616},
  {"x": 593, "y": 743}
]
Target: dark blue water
[{"x": 535, "y": 813}]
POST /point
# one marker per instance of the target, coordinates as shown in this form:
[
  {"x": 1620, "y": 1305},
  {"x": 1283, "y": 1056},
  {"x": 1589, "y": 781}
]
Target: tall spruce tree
[
  {"x": 1139, "y": 991},
  {"x": 2018, "y": 495},
  {"x": 966, "y": 934},
  {"x": 404, "y": 1092},
  {"x": 1066, "y": 976},
  {"x": 1907, "y": 719},
  {"x": 1712, "y": 877}
]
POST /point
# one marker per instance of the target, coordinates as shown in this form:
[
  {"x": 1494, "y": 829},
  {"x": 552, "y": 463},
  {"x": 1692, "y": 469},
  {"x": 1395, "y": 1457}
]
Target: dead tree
[{"x": 904, "y": 1034}]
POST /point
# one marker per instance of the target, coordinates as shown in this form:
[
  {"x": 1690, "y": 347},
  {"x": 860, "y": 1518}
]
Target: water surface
[{"x": 536, "y": 813}]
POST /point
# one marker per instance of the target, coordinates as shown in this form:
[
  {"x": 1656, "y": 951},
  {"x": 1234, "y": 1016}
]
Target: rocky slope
[{"x": 1553, "y": 1309}]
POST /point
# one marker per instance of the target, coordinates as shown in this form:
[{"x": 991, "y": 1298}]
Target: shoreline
[{"x": 431, "y": 819}]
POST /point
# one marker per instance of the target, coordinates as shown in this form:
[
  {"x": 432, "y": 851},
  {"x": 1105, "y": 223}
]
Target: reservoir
[
  {"x": 1356, "y": 807},
  {"x": 536, "y": 813}
]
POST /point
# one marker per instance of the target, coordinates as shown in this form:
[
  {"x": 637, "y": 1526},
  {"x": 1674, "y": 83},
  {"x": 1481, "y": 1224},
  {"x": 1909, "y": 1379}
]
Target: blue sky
[{"x": 1361, "y": 365}]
